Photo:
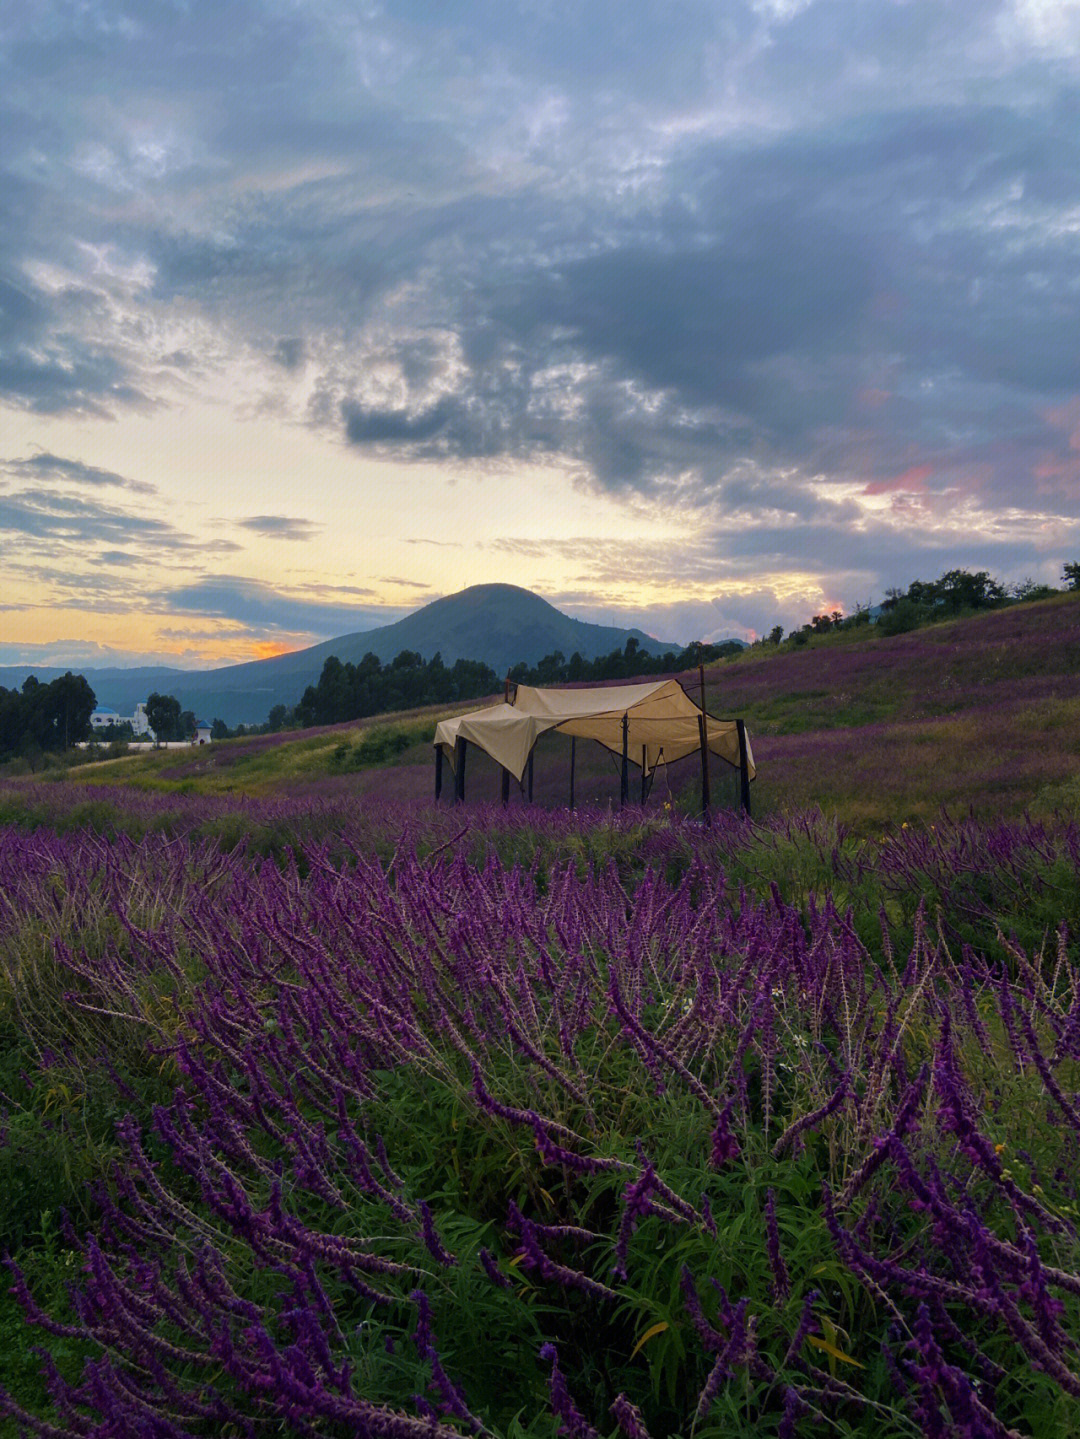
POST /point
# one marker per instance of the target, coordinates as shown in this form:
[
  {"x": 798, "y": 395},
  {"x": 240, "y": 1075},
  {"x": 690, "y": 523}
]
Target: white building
[
  {"x": 103, "y": 719},
  {"x": 202, "y": 732}
]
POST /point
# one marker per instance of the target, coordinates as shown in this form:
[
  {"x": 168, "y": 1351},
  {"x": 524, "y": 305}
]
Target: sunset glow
[{"x": 710, "y": 330}]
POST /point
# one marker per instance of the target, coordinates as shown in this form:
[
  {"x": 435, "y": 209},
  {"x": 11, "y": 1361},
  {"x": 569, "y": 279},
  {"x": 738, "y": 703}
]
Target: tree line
[
  {"x": 44, "y": 718},
  {"x": 923, "y": 602},
  {"x": 347, "y": 691}
]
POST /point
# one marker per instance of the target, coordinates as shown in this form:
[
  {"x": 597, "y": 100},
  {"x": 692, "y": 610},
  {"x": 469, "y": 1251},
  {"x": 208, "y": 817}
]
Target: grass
[{"x": 243, "y": 766}]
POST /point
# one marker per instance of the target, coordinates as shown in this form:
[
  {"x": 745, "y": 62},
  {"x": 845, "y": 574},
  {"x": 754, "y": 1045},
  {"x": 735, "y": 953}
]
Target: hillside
[
  {"x": 981, "y": 713},
  {"x": 499, "y": 624}
]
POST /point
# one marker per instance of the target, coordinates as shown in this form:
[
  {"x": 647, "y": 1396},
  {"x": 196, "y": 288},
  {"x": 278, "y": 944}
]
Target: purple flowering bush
[{"x": 423, "y": 1124}]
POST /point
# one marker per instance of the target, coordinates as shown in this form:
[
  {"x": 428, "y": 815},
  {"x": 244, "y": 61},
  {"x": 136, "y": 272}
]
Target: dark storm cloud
[
  {"x": 250, "y": 602},
  {"x": 281, "y": 527}
]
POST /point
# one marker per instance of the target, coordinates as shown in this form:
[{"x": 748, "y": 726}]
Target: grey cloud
[
  {"x": 371, "y": 426},
  {"x": 250, "y": 602},
  {"x": 48, "y": 466},
  {"x": 44, "y": 515},
  {"x": 77, "y": 377},
  {"x": 289, "y": 353},
  {"x": 281, "y": 527},
  {"x": 60, "y": 585}
]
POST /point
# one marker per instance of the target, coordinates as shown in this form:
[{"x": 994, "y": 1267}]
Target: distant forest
[{"x": 346, "y": 691}]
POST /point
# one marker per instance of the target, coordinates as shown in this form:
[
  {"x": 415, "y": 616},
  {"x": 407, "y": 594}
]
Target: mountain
[{"x": 500, "y": 624}]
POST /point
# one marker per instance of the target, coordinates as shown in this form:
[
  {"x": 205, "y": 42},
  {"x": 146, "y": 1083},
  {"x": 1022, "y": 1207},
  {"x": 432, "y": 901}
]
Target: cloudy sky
[{"x": 698, "y": 316}]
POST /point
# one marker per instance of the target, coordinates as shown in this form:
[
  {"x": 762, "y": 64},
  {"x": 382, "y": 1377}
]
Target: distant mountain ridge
[{"x": 499, "y": 624}]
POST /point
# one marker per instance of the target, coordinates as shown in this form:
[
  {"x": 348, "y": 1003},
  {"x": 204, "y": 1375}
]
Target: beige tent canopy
[{"x": 647, "y": 724}]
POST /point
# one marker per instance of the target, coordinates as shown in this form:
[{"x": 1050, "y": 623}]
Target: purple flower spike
[
  {"x": 574, "y": 1424},
  {"x": 781, "y": 1282}
]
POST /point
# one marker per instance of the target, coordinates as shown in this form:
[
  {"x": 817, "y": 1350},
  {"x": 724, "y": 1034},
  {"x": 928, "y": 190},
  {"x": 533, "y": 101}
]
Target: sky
[{"x": 700, "y": 317}]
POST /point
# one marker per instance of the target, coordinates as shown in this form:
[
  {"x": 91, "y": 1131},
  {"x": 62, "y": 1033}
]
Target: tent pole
[
  {"x": 505, "y": 787},
  {"x": 644, "y": 781},
  {"x": 703, "y": 741},
  {"x": 706, "y": 787},
  {"x": 573, "y": 756},
  {"x": 744, "y": 767},
  {"x": 506, "y": 688},
  {"x": 624, "y": 777},
  {"x": 438, "y": 771},
  {"x": 459, "y": 771},
  {"x": 531, "y": 753}
]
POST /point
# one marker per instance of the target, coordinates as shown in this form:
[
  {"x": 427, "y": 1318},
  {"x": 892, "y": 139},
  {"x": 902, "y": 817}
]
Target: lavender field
[
  {"x": 328, "y": 1111},
  {"x": 333, "y": 1117}
]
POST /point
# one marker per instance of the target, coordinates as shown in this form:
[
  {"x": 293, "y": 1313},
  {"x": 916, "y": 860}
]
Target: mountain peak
[{"x": 498, "y": 623}]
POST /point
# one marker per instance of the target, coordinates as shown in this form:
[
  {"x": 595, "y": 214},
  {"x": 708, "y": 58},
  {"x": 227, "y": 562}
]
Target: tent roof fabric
[{"x": 662, "y": 724}]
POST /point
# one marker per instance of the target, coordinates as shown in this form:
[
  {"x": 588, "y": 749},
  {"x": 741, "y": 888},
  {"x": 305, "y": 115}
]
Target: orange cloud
[{"x": 270, "y": 649}]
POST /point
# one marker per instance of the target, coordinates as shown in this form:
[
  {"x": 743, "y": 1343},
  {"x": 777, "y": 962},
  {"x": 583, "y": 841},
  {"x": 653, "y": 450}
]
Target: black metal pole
[
  {"x": 644, "y": 782},
  {"x": 505, "y": 786},
  {"x": 438, "y": 771},
  {"x": 744, "y": 766},
  {"x": 531, "y": 753},
  {"x": 624, "y": 777},
  {"x": 459, "y": 771},
  {"x": 573, "y": 756},
  {"x": 703, "y": 741},
  {"x": 706, "y": 803}
]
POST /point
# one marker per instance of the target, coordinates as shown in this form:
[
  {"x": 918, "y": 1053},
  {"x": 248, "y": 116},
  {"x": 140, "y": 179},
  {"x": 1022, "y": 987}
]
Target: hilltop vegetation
[{"x": 348, "y": 692}]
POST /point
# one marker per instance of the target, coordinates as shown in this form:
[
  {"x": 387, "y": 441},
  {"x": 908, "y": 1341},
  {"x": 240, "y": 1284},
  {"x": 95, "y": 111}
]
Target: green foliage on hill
[{"x": 346, "y": 691}]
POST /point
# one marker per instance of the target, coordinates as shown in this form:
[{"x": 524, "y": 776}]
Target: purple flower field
[{"x": 327, "y": 1116}]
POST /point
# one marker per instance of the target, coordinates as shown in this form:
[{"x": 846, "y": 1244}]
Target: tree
[
  {"x": 220, "y": 730},
  {"x": 962, "y": 590},
  {"x": 776, "y": 634},
  {"x": 163, "y": 716},
  {"x": 1071, "y": 575},
  {"x": 70, "y": 702}
]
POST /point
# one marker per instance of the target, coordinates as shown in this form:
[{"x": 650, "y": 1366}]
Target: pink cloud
[{"x": 912, "y": 480}]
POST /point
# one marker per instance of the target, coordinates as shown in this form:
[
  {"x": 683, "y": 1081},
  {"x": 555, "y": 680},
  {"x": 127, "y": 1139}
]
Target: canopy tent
[{"x": 647, "y": 724}]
